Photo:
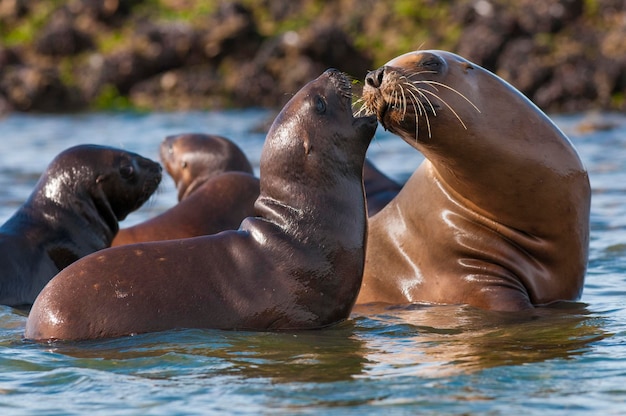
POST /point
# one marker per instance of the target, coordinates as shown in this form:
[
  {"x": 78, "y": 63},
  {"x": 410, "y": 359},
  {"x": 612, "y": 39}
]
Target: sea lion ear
[
  {"x": 467, "y": 66},
  {"x": 307, "y": 146},
  {"x": 100, "y": 178}
]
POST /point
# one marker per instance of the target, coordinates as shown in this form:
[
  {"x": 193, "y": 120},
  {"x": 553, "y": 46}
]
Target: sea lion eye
[
  {"x": 183, "y": 164},
  {"x": 320, "y": 105},
  {"x": 432, "y": 63},
  {"x": 127, "y": 171}
]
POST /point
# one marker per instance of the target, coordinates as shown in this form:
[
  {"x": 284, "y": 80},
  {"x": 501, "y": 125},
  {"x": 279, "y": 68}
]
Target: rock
[
  {"x": 107, "y": 11},
  {"x": 153, "y": 49},
  {"x": 37, "y": 89},
  {"x": 333, "y": 48},
  {"x": 488, "y": 27},
  {"x": 284, "y": 64},
  {"x": 12, "y": 10},
  {"x": 524, "y": 64},
  {"x": 62, "y": 38},
  {"x": 231, "y": 32},
  {"x": 182, "y": 89},
  {"x": 5, "y": 106},
  {"x": 564, "y": 54},
  {"x": 547, "y": 16},
  {"x": 8, "y": 56},
  {"x": 570, "y": 89}
]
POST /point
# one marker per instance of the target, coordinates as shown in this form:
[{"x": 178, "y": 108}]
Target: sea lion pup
[
  {"x": 216, "y": 190},
  {"x": 193, "y": 158},
  {"x": 379, "y": 188},
  {"x": 73, "y": 211},
  {"x": 297, "y": 265},
  {"x": 214, "y": 200},
  {"x": 497, "y": 216},
  {"x": 220, "y": 204}
]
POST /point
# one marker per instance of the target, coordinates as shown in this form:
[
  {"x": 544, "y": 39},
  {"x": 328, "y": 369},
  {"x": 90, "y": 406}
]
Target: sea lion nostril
[{"x": 375, "y": 78}]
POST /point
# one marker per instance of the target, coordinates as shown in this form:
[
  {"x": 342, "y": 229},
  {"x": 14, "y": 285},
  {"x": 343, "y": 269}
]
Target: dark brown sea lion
[
  {"x": 497, "y": 216},
  {"x": 73, "y": 211},
  {"x": 220, "y": 204},
  {"x": 379, "y": 188},
  {"x": 297, "y": 265},
  {"x": 212, "y": 198}
]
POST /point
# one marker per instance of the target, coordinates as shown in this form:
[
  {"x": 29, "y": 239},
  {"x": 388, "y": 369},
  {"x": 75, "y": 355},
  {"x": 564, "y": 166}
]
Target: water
[{"x": 405, "y": 360}]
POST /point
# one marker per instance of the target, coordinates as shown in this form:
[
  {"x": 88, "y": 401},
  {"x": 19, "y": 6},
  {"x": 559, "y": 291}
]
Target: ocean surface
[{"x": 416, "y": 359}]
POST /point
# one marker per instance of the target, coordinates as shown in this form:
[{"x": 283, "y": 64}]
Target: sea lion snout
[{"x": 152, "y": 170}]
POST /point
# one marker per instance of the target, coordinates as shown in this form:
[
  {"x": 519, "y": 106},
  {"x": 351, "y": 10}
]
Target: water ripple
[{"x": 407, "y": 359}]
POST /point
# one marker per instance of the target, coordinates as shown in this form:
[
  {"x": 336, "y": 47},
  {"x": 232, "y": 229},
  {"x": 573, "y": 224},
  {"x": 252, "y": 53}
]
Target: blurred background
[{"x": 61, "y": 56}]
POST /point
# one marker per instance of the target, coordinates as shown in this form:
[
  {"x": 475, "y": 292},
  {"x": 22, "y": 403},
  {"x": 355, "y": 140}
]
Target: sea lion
[
  {"x": 73, "y": 211},
  {"x": 297, "y": 265},
  {"x": 497, "y": 216},
  {"x": 216, "y": 190},
  {"x": 220, "y": 204},
  {"x": 379, "y": 188},
  {"x": 214, "y": 200},
  {"x": 192, "y": 158}
]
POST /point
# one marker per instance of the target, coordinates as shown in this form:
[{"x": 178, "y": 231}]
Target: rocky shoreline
[{"x": 64, "y": 56}]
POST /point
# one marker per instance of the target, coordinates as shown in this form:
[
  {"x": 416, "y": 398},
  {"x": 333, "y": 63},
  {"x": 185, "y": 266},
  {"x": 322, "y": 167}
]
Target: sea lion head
[
  {"x": 112, "y": 182},
  {"x": 424, "y": 94},
  {"x": 193, "y": 158},
  {"x": 315, "y": 128}
]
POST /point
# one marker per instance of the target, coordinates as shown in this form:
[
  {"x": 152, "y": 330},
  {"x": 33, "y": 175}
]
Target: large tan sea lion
[
  {"x": 297, "y": 265},
  {"x": 216, "y": 190},
  {"x": 72, "y": 212},
  {"x": 497, "y": 216}
]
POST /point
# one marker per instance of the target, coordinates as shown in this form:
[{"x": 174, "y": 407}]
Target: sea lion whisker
[
  {"x": 453, "y": 90},
  {"x": 399, "y": 104},
  {"x": 417, "y": 103},
  {"x": 370, "y": 108},
  {"x": 416, "y": 73},
  {"x": 404, "y": 106},
  {"x": 395, "y": 100},
  {"x": 358, "y": 107},
  {"x": 359, "y": 112},
  {"x": 365, "y": 108},
  {"x": 447, "y": 105},
  {"x": 421, "y": 94}
]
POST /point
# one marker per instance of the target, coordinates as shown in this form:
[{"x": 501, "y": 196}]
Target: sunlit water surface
[{"x": 404, "y": 360}]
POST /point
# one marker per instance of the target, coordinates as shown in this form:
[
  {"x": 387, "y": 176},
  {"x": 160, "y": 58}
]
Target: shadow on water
[
  {"x": 440, "y": 340},
  {"x": 378, "y": 342},
  {"x": 327, "y": 355}
]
